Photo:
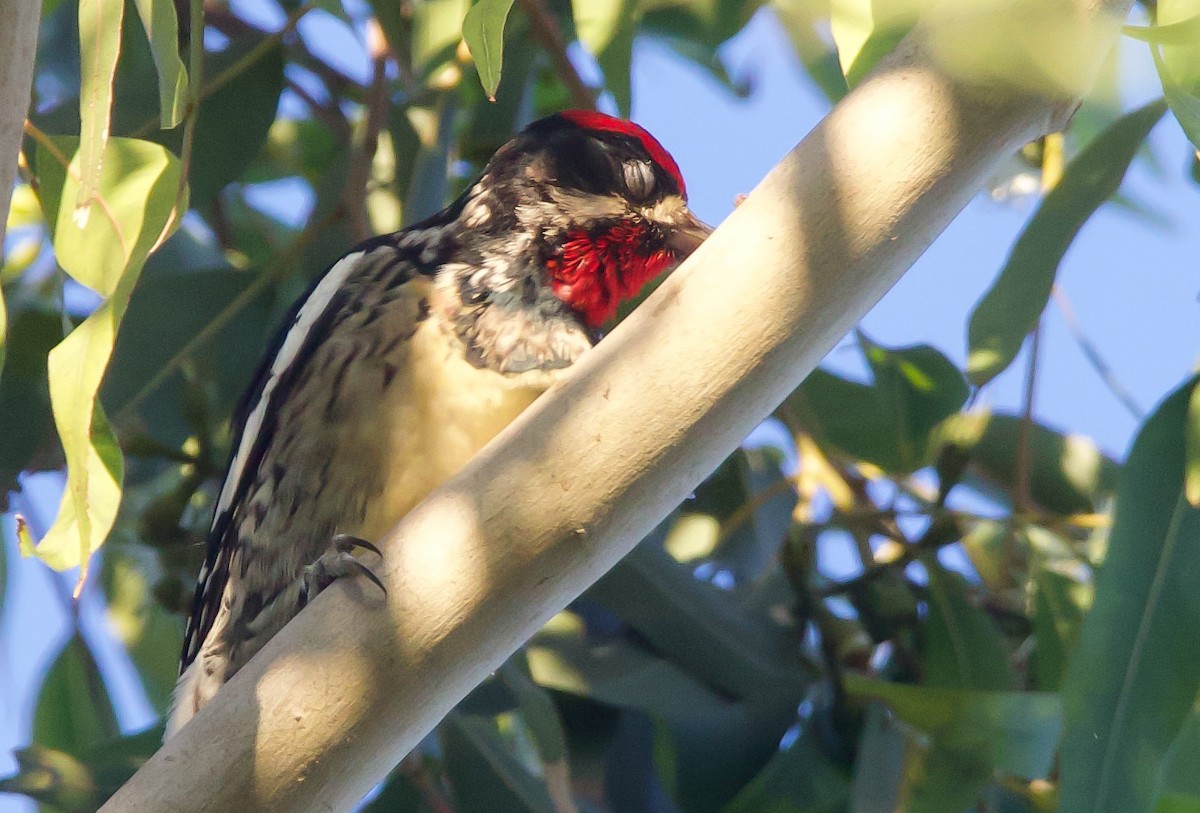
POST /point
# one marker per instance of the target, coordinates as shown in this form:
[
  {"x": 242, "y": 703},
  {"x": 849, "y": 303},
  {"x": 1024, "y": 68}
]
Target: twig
[
  {"x": 939, "y": 535},
  {"x": 329, "y": 114},
  {"x": 547, "y": 33},
  {"x": 354, "y": 194},
  {"x": 1092, "y": 354},
  {"x": 1023, "y": 496}
]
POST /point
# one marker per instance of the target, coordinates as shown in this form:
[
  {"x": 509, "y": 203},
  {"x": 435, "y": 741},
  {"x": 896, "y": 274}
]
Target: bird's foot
[{"x": 337, "y": 563}]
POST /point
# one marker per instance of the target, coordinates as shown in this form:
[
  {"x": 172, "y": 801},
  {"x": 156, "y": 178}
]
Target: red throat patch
[
  {"x": 591, "y": 120},
  {"x": 596, "y": 272}
]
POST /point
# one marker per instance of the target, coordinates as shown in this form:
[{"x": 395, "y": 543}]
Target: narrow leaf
[
  {"x": 1136, "y": 670},
  {"x": 74, "y": 712},
  {"x": 1013, "y": 305},
  {"x": 100, "y": 45},
  {"x": 139, "y": 184},
  {"x": 1016, "y": 731},
  {"x": 963, "y": 648},
  {"x": 483, "y": 31},
  {"x": 162, "y": 29},
  {"x": 1192, "y": 445},
  {"x": 1184, "y": 32},
  {"x": 484, "y": 774}
]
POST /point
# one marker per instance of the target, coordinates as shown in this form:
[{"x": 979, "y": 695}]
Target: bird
[{"x": 408, "y": 355}]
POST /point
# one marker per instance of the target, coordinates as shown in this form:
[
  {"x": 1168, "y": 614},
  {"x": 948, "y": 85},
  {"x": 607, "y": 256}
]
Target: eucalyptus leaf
[
  {"x": 1012, "y": 306},
  {"x": 483, "y": 31},
  {"x": 1136, "y": 670},
  {"x": 100, "y": 45},
  {"x": 74, "y": 712},
  {"x": 162, "y": 29}
]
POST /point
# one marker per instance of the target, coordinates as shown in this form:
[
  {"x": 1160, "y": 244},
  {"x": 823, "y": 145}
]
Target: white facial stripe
[{"x": 306, "y": 317}]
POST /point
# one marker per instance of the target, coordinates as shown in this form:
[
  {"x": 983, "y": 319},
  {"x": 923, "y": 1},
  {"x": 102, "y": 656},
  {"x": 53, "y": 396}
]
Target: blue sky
[{"x": 1133, "y": 284}]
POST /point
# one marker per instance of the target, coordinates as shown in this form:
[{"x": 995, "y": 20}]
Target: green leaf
[
  {"x": 485, "y": 775},
  {"x": 150, "y": 634},
  {"x": 700, "y": 627},
  {"x": 1059, "y": 605},
  {"x": 100, "y": 44},
  {"x": 24, "y": 393},
  {"x": 139, "y": 185},
  {"x": 1068, "y": 474},
  {"x": 889, "y": 422},
  {"x": 538, "y": 711},
  {"x": 1192, "y": 444},
  {"x": 1012, "y": 306},
  {"x": 799, "y": 779},
  {"x": 483, "y": 31},
  {"x": 162, "y": 29},
  {"x": 1180, "y": 788},
  {"x": 1177, "y": 59},
  {"x": 963, "y": 648},
  {"x": 235, "y": 120},
  {"x": 1136, "y": 670},
  {"x": 802, "y": 21},
  {"x": 867, "y": 30},
  {"x": 437, "y": 30},
  {"x": 73, "y": 712},
  {"x": 1184, "y": 32},
  {"x": 618, "y": 673},
  {"x": 606, "y": 28},
  {"x": 1016, "y": 731}
]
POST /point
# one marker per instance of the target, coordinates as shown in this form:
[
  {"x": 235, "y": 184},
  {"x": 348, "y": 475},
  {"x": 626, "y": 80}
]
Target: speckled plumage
[{"x": 409, "y": 355}]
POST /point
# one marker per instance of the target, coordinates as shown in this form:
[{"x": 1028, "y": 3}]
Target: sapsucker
[{"x": 413, "y": 351}]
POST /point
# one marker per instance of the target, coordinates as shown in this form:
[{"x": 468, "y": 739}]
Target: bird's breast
[{"x": 436, "y": 414}]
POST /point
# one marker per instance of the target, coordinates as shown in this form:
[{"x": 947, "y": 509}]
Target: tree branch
[
  {"x": 353, "y": 683},
  {"x": 18, "y": 47}
]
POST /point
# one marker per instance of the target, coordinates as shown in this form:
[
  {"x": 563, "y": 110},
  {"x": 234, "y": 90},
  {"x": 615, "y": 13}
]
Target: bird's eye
[{"x": 639, "y": 178}]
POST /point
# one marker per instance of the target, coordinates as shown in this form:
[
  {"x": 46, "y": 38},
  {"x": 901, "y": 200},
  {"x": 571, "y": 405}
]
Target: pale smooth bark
[
  {"x": 18, "y": 47},
  {"x": 353, "y": 683}
]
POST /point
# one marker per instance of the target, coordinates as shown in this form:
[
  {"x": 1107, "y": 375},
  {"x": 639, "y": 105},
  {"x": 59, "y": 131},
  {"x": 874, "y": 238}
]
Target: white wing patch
[{"x": 306, "y": 317}]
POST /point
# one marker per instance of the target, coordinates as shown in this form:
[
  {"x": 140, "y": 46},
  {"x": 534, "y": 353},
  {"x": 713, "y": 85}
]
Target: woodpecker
[{"x": 409, "y": 354}]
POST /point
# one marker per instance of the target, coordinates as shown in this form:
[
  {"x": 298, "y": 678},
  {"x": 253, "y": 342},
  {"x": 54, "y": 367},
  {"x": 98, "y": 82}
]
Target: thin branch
[
  {"x": 936, "y": 537},
  {"x": 358, "y": 175},
  {"x": 549, "y": 35},
  {"x": 1023, "y": 495},
  {"x": 1092, "y": 353},
  {"x": 18, "y": 44}
]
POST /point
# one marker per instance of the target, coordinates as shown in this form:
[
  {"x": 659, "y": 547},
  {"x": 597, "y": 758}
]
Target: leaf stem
[{"x": 549, "y": 35}]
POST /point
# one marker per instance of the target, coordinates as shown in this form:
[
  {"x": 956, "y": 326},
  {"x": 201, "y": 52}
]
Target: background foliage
[{"x": 1020, "y": 632}]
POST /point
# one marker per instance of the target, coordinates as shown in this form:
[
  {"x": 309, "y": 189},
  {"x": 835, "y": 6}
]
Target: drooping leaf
[
  {"x": 436, "y": 31},
  {"x": 139, "y": 185},
  {"x": 1184, "y": 32},
  {"x": 150, "y": 634},
  {"x": 801, "y": 778},
  {"x": 162, "y": 29},
  {"x": 867, "y": 30},
  {"x": 1016, "y": 731},
  {"x": 74, "y": 712},
  {"x": 485, "y": 775},
  {"x": 538, "y": 711},
  {"x": 1012, "y": 306},
  {"x": 483, "y": 31},
  {"x": 1068, "y": 474},
  {"x": 606, "y": 29},
  {"x": 235, "y": 120},
  {"x": 1192, "y": 445},
  {"x": 100, "y": 45},
  {"x": 802, "y": 21},
  {"x": 25, "y": 394},
  {"x": 889, "y": 422},
  {"x": 1136, "y": 670},
  {"x": 1060, "y": 603},
  {"x": 963, "y": 648},
  {"x": 1177, "y": 59},
  {"x": 1179, "y": 791}
]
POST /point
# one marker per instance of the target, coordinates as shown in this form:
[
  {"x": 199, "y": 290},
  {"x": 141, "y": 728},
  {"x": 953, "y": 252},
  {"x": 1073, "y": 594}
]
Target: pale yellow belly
[{"x": 440, "y": 414}]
